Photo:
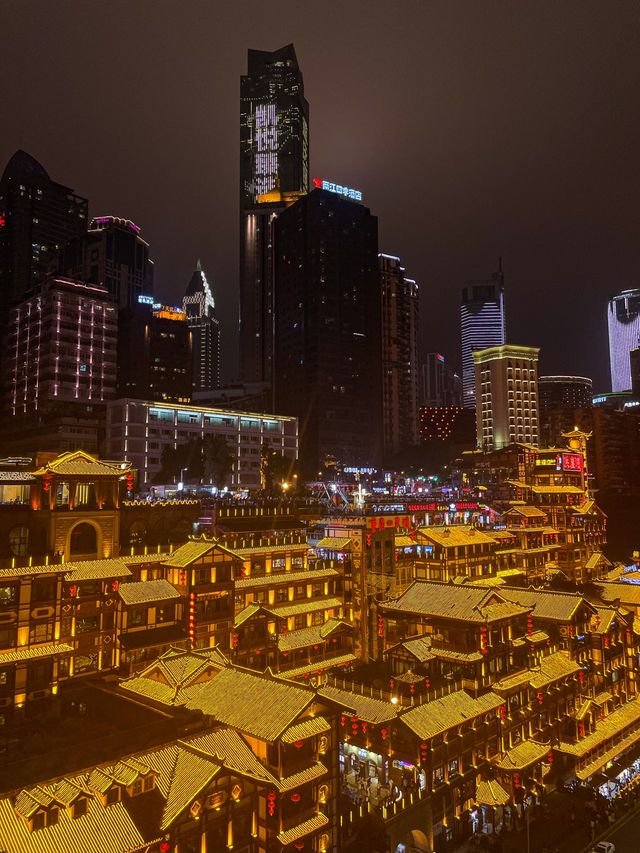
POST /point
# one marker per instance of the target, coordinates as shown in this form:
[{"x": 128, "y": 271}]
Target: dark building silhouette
[
  {"x": 440, "y": 385},
  {"x": 274, "y": 170},
  {"x": 155, "y": 360},
  {"x": 37, "y": 218},
  {"x": 572, "y": 392},
  {"x": 328, "y": 333},
  {"x": 114, "y": 255},
  {"x": 400, "y": 317},
  {"x": 199, "y": 306}
]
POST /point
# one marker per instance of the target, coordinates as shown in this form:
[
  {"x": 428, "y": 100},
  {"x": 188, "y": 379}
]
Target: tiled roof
[
  {"x": 34, "y": 652},
  {"x": 455, "y": 536},
  {"x": 314, "y": 635},
  {"x": 602, "y": 619},
  {"x": 334, "y": 543},
  {"x": 454, "y": 656},
  {"x": 367, "y": 708},
  {"x": 610, "y": 755},
  {"x": 17, "y": 477},
  {"x": 145, "y": 592},
  {"x": 628, "y": 593},
  {"x": 193, "y": 550},
  {"x": 433, "y": 718},
  {"x": 27, "y": 571},
  {"x": 316, "y": 771},
  {"x": 317, "y": 666},
  {"x": 88, "y": 570},
  {"x": 523, "y": 755},
  {"x": 78, "y": 463},
  {"x": 230, "y": 747},
  {"x": 553, "y": 606},
  {"x": 526, "y": 511},
  {"x": 419, "y": 647},
  {"x": 259, "y": 705},
  {"x": 556, "y": 490},
  {"x": 533, "y": 638},
  {"x": 310, "y": 727},
  {"x": 404, "y": 541},
  {"x": 491, "y": 793},
  {"x": 613, "y": 724},
  {"x": 451, "y": 601},
  {"x": 271, "y": 580},
  {"x": 249, "y": 611},
  {"x": 292, "y": 547},
  {"x": 99, "y": 826},
  {"x": 305, "y": 606},
  {"x": 313, "y": 824}
]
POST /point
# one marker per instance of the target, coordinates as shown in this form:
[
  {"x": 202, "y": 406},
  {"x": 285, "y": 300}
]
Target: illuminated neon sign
[
  {"x": 569, "y": 462},
  {"x": 347, "y": 192},
  {"x": 143, "y": 299}
]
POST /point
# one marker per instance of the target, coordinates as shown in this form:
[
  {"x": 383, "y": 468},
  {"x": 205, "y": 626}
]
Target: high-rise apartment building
[
  {"x": 623, "y": 319},
  {"x": 61, "y": 348},
  {"x": 482, "y": 325},
  {"x": 274, "y": 171},
  {"x": 440, "y": 385},
  {"x": 571, "y": 392},
  {"x": 400, "y": 313},
  {"x": 506, "y": 396},
  {"x": 37, "y": 217},
  {"x": 328, "y": 334},
  {"x": 200, "y": 309},
  {"x": 114, "y": 255}
]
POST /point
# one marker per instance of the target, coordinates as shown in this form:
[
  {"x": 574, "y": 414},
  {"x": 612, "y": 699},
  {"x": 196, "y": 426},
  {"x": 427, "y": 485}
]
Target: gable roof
[
  {"x": 194, "y": 550},
  {"x": 77, "y": 463},
  {"x": 553, "y": 606},
  {"x": 433, "y": 718},
  {"x": 455, "y": 535},
  {"x": 463, "y": 603},
  {"x": 145, "y": 592}
]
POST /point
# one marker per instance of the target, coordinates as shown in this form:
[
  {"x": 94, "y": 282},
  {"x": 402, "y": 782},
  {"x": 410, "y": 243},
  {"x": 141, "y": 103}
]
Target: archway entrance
[{"x": 84, "y": 540}]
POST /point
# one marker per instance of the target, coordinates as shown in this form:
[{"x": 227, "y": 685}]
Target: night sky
[{"x": 474, "y": 129}]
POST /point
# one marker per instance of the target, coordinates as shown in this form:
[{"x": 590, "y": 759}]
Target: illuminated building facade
[
  {"x": 569, "y": 392},
  {"x": 274, "y": 167},
  {"x": 139, "y": 431},
  {"x": 440, "y": 385},
  {"x": 200, "y": 310},
  {"x": 506, "y": 396},
  {"x": 114, "y": 255},
  {"x": 482, "y": 325},
  {"x": 155, "y": 359},
  {"x": 61, "y": 348},
  {"x": 623, "y": 320},
  {"x": 37, "y": 217},
  {"x": 400, "y": 313},
  {"x": 328, "y": 334}
]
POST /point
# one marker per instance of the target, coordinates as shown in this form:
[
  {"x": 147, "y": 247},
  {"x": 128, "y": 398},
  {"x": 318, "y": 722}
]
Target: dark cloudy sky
[{"x": 474, "y": 128}]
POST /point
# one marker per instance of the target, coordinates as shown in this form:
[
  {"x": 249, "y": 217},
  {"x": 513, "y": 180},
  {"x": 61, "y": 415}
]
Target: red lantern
[
  {"x": 606, "y": 642},
  {"x": 516, "y": 780},
  {"x": 298, "y": 744},
  {"x": 424, "y": 752},
  {"x": 72, "y": 591},
  {"x": 381, "y": 626},
  {"x": 271, "y": 803},
  {"x": 295, "y": 797},
  {"x": 299, "y": 845},
  {"x": 427, "y": 683},
  {"x": 540, "y": 697},
  {"x": 46, "y": 481},
  {"x": 234, "y": 640},
  {"x": 550, "y": 757},
  {"x": 392, "y": 684},
  {"x": 164, "y": 847},
  {"x": 183, "y": 578},
  {"x": 581, "y": 677},
  {"x": 384, "y": 733},
  {"x": 343, "y": 720},
  {"x": 412, "y": 688},
  {"x": 571, "y": 630},
  {"x": 530, "y": 624},
  {"x": 503, "y": 712},
  {"x": 364, "y": 727},
  {"x": 580, "y": 729},
  {"x": 114, "y": 586}
]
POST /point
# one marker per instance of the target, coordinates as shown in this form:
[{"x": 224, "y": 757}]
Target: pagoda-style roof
[
  {"x": 77, "y": 463},
  {"x": 196, "y": 549},
  {"x": 146, "y": 592},
  {"x": 459, "y": 602},
  {"x": 433, "y": 718}
]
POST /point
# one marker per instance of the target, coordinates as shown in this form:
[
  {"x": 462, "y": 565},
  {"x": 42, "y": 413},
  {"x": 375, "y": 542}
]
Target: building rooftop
[
  {"x": 146, "y": 592},
  {"x": 463, "y": 603},
  {"x": 455, "y": 536},
  {"x": 553, "y": 606},
  {"x": 433, "y": 718}
]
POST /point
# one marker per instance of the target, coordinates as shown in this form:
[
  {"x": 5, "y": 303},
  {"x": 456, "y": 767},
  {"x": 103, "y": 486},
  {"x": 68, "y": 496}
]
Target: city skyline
[{"x": 436, "y": 174}]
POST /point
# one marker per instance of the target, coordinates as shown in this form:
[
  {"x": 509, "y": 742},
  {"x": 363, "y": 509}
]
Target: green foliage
[{"x": 207, "y": 460}]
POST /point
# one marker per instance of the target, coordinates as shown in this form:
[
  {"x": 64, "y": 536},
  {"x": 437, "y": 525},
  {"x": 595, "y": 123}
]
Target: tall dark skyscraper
[
  {"x": 328, "y": 330},
  {"x": 114, "y": 255},
  {"x": 37, "y": 218},
  {"x": 274, "y": 171},
  {"x": 623, "y": 320},
  {"x": 199, "y": 306},
  {"x": 482, "y": 325}
]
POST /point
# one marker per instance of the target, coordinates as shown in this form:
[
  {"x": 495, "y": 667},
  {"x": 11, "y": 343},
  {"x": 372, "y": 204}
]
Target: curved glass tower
[{"x": 482, "y": 325}]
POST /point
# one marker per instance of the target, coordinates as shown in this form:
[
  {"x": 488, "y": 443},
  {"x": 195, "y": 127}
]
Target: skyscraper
[
  {"x": 200, "y": 309},
  {"x": 506, "y": 396},
  {"x": 274, "y": 171},
  {"x": 328, "y": 341},
  {"x": 440, "y": 385},
  {"x": 37, "y": 217},
  {"x": 565, "y": 392},
  {"x": 482, "y": 325},
  {"x": 114, "y": 255},
  {"x": 623, "y": 317},
  {"x": 399, "y": 355}
]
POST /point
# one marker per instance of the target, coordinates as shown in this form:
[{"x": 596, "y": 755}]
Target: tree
[
  {"x": 275, "y": 469},
  {"x": 217, "y": 461}
]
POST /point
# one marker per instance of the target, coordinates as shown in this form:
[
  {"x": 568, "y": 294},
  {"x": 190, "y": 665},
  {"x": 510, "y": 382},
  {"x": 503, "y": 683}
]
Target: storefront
[{"x": 617, "y": 778}]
